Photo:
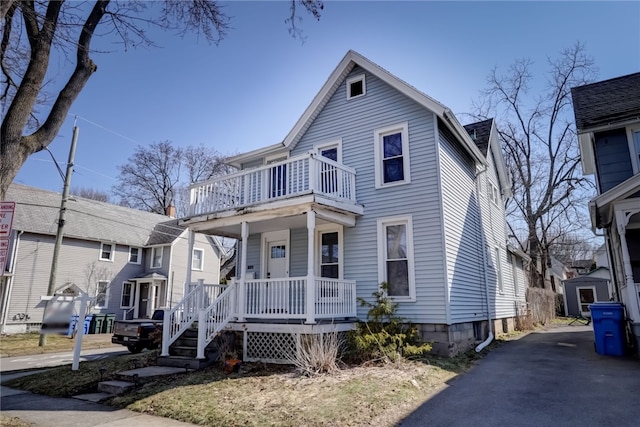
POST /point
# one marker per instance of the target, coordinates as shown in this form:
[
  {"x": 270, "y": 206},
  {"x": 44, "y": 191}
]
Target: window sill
[{"x": 392, "y": 184}]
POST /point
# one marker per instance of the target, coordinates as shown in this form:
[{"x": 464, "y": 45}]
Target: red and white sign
[{"x": 6, "y": 219}]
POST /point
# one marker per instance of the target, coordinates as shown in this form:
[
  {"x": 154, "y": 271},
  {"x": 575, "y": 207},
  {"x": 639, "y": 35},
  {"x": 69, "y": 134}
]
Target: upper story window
[
  {"x": 356, "y": 86},
  {"x": 156, "y": 256},
  {"x": 494, "y": 194},
  {"x": 106, "y": 251},
  {"x": 395, "y": 257},
  {"x": 197, "y": 260},
  {"x": 134, "y": 255},
  {"x": 392, "y": 155}
]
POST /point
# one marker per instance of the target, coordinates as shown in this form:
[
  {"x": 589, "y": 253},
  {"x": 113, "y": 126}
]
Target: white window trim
[
  {"x": 403, "y": 128},
  {"x": 330, "y": 144},
  {"x": 382, "y": 258},
  {"x": 152, "y": 257},
  {"x": 633, "y": 154},
  {"x": 516, "y": 284},
  {"x": 139, "y": 255},
  {"x": 106, "y": 294},
  {"x": 595, "y": 297},
  {"x": 329, "y": 228},
  {"x": 201, "y": 259},
  {"x": 111, "y": 253},
  {"x": 131, "y": 295},
  {"x": 354, "y": 79}
]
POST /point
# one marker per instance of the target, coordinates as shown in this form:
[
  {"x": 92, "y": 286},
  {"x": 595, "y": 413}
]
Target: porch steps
[
  {"x": 115, "y": 387},
  {"x": 183, "y": 352}
]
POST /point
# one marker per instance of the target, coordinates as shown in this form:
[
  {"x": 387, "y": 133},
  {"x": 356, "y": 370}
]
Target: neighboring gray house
[
  {"x": 376, "y": 182},
  {"x": 132, "y": 261},
  {"x": 607, "y": 117}
]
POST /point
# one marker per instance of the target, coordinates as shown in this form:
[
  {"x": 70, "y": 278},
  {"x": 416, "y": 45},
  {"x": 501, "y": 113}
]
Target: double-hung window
[
  {"x": 498, "y": 267},
  {"x": 392, "y": 155},
  {"x": 395, "y": 257},
  {"x": 156, "y": 257},
  {"x": 134, "y": 255},
  {"x": 102, "y": 294},
  {"x": 106, "y": 252},
  {"x": 197, "y": 260},
  {"x": 126, "y": 300}
]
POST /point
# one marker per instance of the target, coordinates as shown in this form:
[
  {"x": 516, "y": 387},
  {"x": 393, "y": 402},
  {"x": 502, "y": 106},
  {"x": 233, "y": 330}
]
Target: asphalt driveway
[{"x": 550, "y": 378}]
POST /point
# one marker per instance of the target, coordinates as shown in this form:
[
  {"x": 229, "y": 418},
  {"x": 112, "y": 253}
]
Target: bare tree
[
  {"x": 541, "y": 150},
  {"x": 151, "y": 177},
  {"x": 91, "y": 193},
  {"x": 31, "y": 29}
]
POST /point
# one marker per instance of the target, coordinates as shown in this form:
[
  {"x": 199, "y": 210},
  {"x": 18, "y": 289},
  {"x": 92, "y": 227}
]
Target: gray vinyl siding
[
  {"x": 252, "y": 164},
  {"x": 494, "y": 223},
  {"x": 464, "y": 242},
  {"x": 612, "y": 158},
  {"x": 298, "y": 253},
  {"x": 180, "y": 264},
  {"x": 253, "y": 255},
  {"x": 78, "y": 263},
  {"x": 354, "y": 121}
]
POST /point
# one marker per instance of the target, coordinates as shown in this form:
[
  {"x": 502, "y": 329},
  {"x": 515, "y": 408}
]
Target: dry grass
[
  {"x": 261, "y": 394},
  {"x": 25, "y": 344},
  {"x": 6, "y": 421}
]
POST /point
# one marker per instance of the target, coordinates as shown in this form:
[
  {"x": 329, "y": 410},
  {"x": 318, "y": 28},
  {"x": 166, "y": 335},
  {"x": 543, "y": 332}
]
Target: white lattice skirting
[{"x": 269, "y": 347}]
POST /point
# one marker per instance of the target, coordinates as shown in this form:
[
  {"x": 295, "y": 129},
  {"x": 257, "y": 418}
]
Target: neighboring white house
[
  {"x": 376, "y": 182},
  {"x": 607, "y": 117},
  {"x": 131, "y": 261}
]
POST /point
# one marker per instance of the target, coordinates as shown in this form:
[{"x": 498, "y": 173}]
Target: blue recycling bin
[
  {"x": 608, "y": 328},
  {"x": 74, "y": 322}
]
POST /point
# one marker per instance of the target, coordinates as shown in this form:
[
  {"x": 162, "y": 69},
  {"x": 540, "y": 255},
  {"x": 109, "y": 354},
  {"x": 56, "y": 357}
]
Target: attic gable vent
[{"x": 356, "y": 87}]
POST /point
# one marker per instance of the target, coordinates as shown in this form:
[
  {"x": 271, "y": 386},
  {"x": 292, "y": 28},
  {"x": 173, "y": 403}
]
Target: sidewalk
[{"x": 48, "y": 411}]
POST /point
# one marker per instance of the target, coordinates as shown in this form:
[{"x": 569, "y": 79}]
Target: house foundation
[{"x": 452, "y": 340}]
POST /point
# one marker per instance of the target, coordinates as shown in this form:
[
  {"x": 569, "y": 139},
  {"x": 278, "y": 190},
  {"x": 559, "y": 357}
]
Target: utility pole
[{"x": 63, "y": 207}]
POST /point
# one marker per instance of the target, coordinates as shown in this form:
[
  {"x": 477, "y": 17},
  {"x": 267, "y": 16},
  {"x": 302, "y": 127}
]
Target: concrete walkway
[
  {"x": 60, "y": 412},
  {"x": 550, "y": 378}
]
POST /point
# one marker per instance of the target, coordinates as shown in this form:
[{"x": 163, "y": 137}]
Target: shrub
[
  {"x": 384, "y": 336},
  {"x": 317, "y": 353}
]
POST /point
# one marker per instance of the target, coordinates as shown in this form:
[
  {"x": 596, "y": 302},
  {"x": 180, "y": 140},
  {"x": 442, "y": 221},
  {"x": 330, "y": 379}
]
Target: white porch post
[
  {"x": 191, "y": 243},
  {"x": 632, "y": 303},
  {"x": 243, "y": 271},
  {"x": 311, "y": 283}
]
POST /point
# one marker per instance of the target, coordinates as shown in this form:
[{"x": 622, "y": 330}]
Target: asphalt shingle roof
[
  {"x": 37, "y": 211},
  {"x": 482, "y": 132},
  {"x": 606, "y": 102}
]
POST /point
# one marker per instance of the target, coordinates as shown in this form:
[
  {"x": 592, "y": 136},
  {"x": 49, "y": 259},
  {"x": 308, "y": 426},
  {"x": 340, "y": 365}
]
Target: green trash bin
[
  {"x": 96, "y": 323},
  {"x": 107, "y": 325}
]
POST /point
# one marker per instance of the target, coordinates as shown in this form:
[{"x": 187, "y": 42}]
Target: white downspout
[
  {"x": 486, "y": 342},
  {"x": 9, "y": 288}
]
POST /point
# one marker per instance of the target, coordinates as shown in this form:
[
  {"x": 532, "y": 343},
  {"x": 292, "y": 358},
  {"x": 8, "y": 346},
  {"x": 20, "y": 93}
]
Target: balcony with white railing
[{"x": 294, "y": 177}]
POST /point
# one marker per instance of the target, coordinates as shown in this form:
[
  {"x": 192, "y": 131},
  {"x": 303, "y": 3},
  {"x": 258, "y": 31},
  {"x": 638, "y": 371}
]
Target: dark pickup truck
[{"x": 138, "y": 334}]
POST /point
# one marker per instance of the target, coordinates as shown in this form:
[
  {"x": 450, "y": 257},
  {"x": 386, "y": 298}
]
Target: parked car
[{"x": 138, "y": 334}]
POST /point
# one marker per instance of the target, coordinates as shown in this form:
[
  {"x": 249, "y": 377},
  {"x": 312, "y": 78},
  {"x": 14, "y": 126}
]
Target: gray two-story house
[
  {"x": 607, "y": 115},
  {"x": 132, "y": 262},
  {"x": 376, "y": 182}
]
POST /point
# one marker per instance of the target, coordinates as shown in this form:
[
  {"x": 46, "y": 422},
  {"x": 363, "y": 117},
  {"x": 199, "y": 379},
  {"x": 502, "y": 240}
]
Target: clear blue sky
[{"x": 249, "y": 91}]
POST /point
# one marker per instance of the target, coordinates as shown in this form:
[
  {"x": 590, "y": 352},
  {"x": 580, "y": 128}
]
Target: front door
[
  {"x": 586, "y": 296},
  {"x": 143, "y": 302},
  {"x": 276, "y": 292}
]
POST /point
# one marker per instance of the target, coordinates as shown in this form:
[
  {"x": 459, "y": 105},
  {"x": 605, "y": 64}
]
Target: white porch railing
[
  {"x": 215, "y": 317},
  {"x": 286, "y": 298},
  {"x": 181, "y": 316},
  {"x": 296, "y": 176}
]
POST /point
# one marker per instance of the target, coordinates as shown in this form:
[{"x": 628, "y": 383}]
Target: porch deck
[{"x": 294, "y": 177}]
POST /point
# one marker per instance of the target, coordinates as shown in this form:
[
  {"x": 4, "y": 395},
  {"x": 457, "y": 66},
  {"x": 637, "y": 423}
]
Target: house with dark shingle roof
[
  {"x": 131, "y": 261},
  {"x": 607, "y": 115}
]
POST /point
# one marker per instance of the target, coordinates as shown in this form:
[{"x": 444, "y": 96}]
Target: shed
[{"x": 581, "y": 291}]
